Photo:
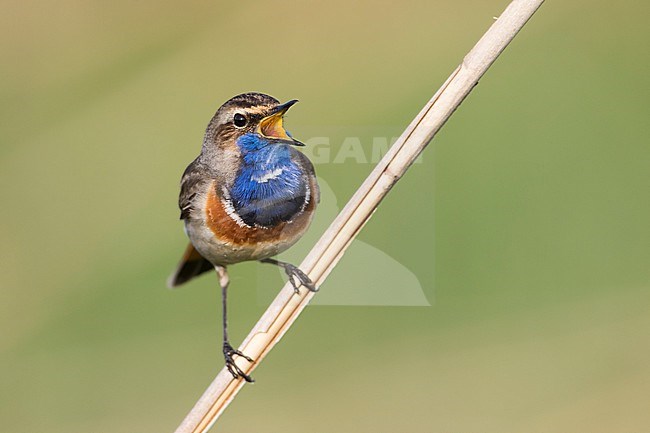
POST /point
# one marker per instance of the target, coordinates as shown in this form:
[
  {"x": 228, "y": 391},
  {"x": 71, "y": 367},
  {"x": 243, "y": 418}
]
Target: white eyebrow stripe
[
  {"x": 256, "y": 109},
  {"x": 268, "y": 175}
]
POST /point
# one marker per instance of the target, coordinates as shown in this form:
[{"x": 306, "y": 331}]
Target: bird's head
[{"x": 249, "y": 120}]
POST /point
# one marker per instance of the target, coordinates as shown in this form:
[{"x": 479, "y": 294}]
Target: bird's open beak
[{"x": 271, "y": 125}]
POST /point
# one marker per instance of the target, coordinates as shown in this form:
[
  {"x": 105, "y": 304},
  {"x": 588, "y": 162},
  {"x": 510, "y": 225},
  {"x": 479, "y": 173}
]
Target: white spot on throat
[{"x": 267, "y": 175}]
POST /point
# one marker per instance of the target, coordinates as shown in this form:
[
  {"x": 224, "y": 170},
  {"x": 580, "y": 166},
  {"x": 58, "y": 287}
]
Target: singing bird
[{"x": 249, "y": 195}]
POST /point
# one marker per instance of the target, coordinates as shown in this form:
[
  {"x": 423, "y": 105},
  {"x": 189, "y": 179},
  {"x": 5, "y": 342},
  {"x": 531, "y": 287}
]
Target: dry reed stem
[{"x": 329, "y": 249}]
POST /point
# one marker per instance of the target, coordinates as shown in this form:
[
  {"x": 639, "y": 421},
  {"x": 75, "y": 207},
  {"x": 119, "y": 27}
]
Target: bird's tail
[{"x": 191, "y": 265}]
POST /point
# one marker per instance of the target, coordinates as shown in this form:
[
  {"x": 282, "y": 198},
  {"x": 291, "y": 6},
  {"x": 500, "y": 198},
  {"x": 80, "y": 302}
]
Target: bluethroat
[{"x": 249, "y": 195}]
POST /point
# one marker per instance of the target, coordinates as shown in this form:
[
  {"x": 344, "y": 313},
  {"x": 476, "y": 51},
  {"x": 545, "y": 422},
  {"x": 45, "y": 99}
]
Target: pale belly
[{"x": 220, "y": 251}]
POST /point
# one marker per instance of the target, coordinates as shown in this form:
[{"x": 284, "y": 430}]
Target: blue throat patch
[{"x": 269, "y": 187}]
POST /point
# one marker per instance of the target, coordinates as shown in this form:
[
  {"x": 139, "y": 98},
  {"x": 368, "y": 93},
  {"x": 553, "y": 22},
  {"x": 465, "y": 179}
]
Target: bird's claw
[
  {"x": 298, "y": 278},
  {"x": 233, "y": 368}
]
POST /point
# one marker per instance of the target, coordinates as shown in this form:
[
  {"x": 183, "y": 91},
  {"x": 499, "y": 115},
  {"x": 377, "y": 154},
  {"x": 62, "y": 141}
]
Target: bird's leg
[
  {"x": 296, "y": 276},
  {"x": 228, "y": 350}
]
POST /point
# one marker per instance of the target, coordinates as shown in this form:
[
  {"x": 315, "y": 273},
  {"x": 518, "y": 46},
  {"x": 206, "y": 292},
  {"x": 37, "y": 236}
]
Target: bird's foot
[
  {"x": 298, "y": 278},
  {"x": 233, "y": 368}
]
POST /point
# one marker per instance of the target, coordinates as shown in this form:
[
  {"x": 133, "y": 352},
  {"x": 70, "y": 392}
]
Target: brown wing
[
  {"x": 192, "y": 263},
  {"x": 310, "y": 173},
  {"x": 193, "y": 178}
]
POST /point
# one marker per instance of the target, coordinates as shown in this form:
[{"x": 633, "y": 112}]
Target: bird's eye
[{"x": 239, "y": 120}]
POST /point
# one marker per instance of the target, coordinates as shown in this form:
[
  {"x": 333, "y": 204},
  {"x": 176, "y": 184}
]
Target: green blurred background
[{"x": 526, "y": 223}]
